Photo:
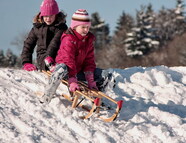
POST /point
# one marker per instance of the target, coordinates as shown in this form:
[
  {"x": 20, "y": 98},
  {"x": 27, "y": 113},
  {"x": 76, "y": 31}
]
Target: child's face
[
  {"x": 49, "y": 19},
  {"x": 82, "y": 29}
]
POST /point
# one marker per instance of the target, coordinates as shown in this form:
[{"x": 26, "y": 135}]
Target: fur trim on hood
[{"x": 60, "y": 18}]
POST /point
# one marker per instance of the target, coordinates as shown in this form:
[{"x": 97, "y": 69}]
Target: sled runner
[{"x": 95, "y": 97}]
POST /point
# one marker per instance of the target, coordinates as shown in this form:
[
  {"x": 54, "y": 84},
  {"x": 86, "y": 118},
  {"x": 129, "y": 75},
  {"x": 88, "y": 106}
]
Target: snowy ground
[{"x": 154, "y": 109}]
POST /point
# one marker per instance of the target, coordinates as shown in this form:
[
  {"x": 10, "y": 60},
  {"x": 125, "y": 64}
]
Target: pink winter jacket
[{"x": 77, "y": 52}]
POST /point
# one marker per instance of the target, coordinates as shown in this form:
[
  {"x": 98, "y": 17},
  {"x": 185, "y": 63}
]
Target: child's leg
[
  {"x": 81, "y": 76},
  {"x": 102, "y": 78},
  {"x": 97, "y": 75},
  {"x": 60, "y": 72}
]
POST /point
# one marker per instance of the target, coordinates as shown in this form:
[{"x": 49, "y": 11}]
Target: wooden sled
[{"x": 94, "y": 96}]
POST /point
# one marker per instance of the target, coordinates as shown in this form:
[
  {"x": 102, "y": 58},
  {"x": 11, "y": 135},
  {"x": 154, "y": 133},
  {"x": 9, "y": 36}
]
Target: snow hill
[{"x": 154, "y": 109}]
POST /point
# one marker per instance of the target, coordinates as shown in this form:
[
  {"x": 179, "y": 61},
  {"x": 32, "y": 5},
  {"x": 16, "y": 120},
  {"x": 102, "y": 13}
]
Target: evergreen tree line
[
  {"x": 9, "y": 59},
  {"x": 148, "y": 39}
]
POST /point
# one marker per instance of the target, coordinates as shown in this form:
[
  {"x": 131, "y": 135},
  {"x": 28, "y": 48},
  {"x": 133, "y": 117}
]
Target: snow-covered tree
[
  {"x": 1, "y": 58},
  {"x": 179, "y": 11},
  {"x": 10, "y": 58},
  {"x": 165, "y": 25},
  {"x": 124, "y": 25},
  {"x": 100, "y": 29},
  {"x": 171, "y": 22},
  {"x": 142, "y": 38},
  {"x": 180, "y": 19}
]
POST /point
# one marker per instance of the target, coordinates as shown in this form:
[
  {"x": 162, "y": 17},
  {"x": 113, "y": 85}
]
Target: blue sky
[{"x": 16, "y": 15}]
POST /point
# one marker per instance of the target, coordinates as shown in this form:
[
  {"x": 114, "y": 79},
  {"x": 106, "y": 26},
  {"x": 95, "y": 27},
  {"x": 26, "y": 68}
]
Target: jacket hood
[{"x": 60, "y": 19}]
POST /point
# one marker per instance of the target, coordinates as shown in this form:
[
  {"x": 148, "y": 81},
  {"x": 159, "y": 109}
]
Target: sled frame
[{"x": 94, "y": 96}]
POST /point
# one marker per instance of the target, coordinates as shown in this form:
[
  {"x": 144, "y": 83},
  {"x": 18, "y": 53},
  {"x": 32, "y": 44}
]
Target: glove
[
  {"x": 29, "y": 67},
  {"x": 73, "y": 84},
  {"x": 89, "y": 76},
  {"x": 50, "y": 63}
]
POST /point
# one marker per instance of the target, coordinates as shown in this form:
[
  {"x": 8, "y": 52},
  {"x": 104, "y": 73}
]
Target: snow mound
[{"x": 154, "y": 109}]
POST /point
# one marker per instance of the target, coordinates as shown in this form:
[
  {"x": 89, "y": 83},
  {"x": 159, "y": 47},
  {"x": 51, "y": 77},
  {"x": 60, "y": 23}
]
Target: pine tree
[
  {"x": 142, "y": 38},
  {"x": 124, "y": 25},
  {"x": 179, "y": 17},
  {"x": 179, "y": 11},
  {"x": 164, "y": 25},
  {"x": 171, "y": 22},
  {"x": 100, "y": 30},
  {"x": 2, "y": 57},
  {"x": 10, "y": 59}
]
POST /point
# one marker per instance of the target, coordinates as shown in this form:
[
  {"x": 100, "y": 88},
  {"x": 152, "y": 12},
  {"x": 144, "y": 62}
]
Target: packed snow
[{"x": 154, "y": 109}]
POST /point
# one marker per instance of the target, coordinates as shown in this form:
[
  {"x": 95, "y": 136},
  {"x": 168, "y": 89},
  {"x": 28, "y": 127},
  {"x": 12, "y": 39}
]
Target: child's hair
[{"x": 80, "y": 17}]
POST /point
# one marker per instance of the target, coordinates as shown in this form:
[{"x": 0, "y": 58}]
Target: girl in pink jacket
[{"x": 75, "y": 58}]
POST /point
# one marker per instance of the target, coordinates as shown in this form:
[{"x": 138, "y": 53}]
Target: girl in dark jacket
[{"x": 48, "y": 27}]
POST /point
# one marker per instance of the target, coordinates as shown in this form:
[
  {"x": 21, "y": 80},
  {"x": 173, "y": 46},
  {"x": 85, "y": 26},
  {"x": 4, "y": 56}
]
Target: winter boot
[
  {"x": 107, "y": 81},
  {"x": 54, "y": 81}
]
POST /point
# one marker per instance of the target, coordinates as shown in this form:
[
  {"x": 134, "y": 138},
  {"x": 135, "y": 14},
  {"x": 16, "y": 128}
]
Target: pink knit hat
[
  {"x": 80, "y": 17},
  {"x": 49, "y": 7}
]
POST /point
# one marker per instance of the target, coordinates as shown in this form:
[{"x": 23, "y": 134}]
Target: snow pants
[{"x": 61, "y": 72}]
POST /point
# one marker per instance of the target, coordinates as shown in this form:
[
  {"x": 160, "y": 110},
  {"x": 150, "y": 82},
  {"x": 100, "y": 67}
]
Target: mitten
[
  {"x": 50, "y": 63},
  {"x": 89, "y": 76},
  {"x": 73, "y": 84},
  {"x": 29, "y": 67}
]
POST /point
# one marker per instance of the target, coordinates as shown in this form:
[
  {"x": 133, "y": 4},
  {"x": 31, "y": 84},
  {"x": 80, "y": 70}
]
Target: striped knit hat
[
  {"x": 80, "y": 17},
  {"x": 49, "y": 7}
]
